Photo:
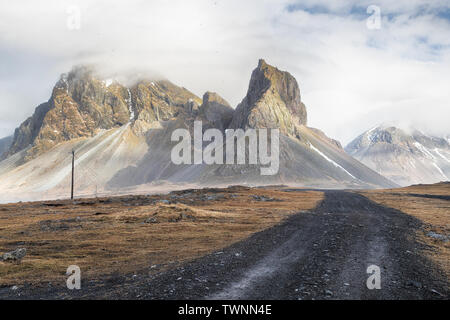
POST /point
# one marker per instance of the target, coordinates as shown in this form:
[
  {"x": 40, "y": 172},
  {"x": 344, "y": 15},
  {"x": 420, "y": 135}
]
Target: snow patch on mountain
[
  {"x": 440, "y": 171},
  {"x": 424, "y": 150},
  {"x": 130, "y": 105},
  {"x": 370, "y": 134},
  {"x": 331, "y": 161},
  {"x": 108, "y": 82},
  {"x": 441, "y": 155},
  {"x": 404, "y": 156}
]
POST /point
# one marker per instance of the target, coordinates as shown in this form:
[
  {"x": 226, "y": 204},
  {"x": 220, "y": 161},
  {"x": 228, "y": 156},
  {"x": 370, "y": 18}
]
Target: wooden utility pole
[{"x": 73, "y": 171}]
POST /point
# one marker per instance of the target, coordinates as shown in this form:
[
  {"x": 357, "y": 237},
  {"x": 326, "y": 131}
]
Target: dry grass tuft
[{"x": 427, "y": 203}]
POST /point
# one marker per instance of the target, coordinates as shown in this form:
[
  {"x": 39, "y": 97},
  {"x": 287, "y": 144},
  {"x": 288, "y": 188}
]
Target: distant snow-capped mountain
[{"x": 403, "y": 157}]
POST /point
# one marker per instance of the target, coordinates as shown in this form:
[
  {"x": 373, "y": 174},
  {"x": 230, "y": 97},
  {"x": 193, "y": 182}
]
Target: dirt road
[{"x": 320, "y": 254}]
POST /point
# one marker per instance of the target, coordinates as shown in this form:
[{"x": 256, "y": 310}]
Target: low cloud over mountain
[{"x": 122, "y": 137}]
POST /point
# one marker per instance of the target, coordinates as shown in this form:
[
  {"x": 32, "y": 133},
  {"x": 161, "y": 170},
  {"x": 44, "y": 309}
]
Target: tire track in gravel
[
  {"x": 320, "y": 254},
  {"x": 325, "y": 254},
  {"x": 325, "y": 258}
]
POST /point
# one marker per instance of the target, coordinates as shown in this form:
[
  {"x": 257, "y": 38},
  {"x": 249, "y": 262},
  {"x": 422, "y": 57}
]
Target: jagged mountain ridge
[
  {"x": 122, "y": 136},
  {"x": 81, "y": 104},
  {"x": 405, "y": 158},
  {"x": 272, "y": 101}
]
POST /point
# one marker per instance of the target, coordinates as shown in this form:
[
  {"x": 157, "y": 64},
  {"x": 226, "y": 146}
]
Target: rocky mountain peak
[
  {"x": 379, "y": 135},
  {"x": 216, "y": 110},
  {"x": 391, "y": 135},
  {"x": 273, "y": 101},
  {"x": 212, "y": 97},
  {"x": 406, "y": 156},
  {"x": 285, "y": 85},
  {"x": 82, "y": 103}
]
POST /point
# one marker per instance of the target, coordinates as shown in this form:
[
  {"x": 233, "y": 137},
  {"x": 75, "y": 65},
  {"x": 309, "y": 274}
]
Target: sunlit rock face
[
  {"x": 272, "y": 101},
  {"x": 82, "y": 103}
]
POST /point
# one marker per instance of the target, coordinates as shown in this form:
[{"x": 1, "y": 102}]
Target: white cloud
[{"x": 351, "y": 78}]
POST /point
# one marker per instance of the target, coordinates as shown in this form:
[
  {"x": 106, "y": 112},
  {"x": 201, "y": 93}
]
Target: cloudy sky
[{"x": 355, "y": 70}]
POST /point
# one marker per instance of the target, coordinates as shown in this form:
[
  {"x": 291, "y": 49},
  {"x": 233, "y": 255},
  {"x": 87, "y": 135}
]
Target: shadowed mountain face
[
  {"x": 5, "y": 143},
  {"x": 122, "y": 137},
  {"x": 215, "y": 111},
  {"x": 405, "y": 158}
]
